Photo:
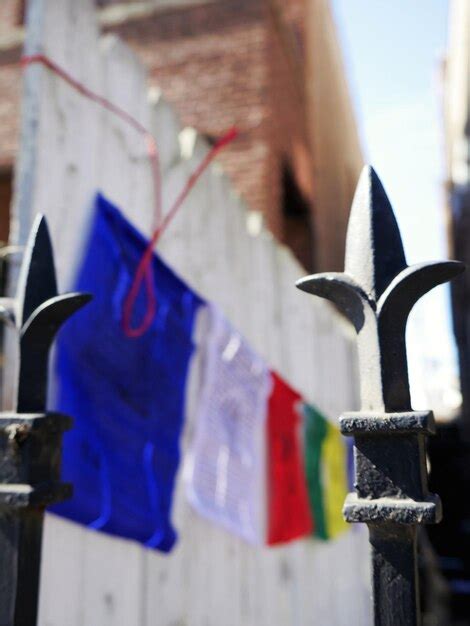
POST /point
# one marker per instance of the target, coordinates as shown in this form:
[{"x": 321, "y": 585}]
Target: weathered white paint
[{"x": 70, "y": 148}]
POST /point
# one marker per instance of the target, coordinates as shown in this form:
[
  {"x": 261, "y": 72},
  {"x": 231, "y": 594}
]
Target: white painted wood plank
[
  {"x": 165, "y": 127},
  {"x": 113, "y": 593},
  {"x": 52, "y": 186},
  {"x": 124, "y": 174},
  {"x": 62, "y": 568}
]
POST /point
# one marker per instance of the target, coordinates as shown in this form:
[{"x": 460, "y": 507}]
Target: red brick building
[{"x": 252, "y": 64}]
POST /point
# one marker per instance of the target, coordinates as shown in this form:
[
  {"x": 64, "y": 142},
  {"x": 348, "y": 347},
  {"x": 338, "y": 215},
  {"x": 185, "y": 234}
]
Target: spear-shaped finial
[
  {"x": 377, "y": 292},
  {"x": 40, "y": 312},
  {"x": 374, "y": 250}
]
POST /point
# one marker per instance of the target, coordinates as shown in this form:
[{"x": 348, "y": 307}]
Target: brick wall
[
  {"x": 11, "y": 18},
  {"x": 229, "y": 64},
  {"x": 290, "y": 168},
  {"x": 11, "y": 12},
  {"x": 10, "y": 84}
]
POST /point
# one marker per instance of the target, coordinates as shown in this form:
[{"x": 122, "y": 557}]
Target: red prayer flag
[{"x": 289, "y": 515}]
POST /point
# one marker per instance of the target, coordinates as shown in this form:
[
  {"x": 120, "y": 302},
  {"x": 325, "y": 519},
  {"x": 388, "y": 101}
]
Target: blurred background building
[
  {"x": 457, "y": 129},
  {"x": 450, "y": 451},
  {"x": 297, "y": 157}
]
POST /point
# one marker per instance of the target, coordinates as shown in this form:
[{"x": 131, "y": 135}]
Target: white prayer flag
[{"x": 227, "y": 458}]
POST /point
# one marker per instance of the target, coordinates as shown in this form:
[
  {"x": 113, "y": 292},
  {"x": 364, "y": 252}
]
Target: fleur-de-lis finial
[
  {"x": 39, "y": 313},
  {"x": 377, "y": 292}
]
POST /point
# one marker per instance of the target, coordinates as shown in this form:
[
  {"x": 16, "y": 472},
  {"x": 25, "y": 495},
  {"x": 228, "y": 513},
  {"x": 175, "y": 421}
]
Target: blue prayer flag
[{"x": 127, "y": 396}]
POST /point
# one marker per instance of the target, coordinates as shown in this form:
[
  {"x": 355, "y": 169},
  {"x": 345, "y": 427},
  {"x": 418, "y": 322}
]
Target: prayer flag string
[
  {"x": 152, "y": 149},
  {"x": 143, "y": 271}
]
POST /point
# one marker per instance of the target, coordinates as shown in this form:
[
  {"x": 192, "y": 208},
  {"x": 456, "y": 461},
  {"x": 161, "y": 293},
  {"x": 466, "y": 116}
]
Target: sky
[{"x": 393, "y": 52}]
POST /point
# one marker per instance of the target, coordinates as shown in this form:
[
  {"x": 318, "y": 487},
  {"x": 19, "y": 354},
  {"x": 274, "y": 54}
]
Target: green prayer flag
[
  {"x": 315, "y": 431},
  {"x": 325, "y": 467}
]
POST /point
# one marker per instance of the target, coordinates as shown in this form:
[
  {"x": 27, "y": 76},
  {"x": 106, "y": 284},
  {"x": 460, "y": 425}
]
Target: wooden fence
[{"x": 71, "y": 148}]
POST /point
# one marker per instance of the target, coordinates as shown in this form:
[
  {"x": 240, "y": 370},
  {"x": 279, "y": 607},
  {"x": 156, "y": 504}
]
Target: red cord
[
  {"x": 152, "y": 150},
  {"x": 144, "y": 268},
  {"x": 145, "y": 264}
]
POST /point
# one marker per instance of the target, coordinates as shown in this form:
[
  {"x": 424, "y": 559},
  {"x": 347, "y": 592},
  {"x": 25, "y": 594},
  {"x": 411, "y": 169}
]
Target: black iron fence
[{"x": 30, "y": 437}]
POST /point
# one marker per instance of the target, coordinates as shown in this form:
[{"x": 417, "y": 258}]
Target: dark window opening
[
  {"x": 211, "y": 139},
  {"x": 6, "y": 186},
  {"x": 105, "y": 3},
  {"x": 21, "y": 13},
  {"x": 297, "y": 219}
]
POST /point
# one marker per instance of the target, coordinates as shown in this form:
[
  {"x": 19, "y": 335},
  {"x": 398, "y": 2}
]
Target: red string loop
[{"x": 146, "y": 260}]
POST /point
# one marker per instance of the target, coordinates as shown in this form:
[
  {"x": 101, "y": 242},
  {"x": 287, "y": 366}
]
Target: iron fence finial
[
  {"x": 374, "y": 249},
  {"x": 30, "y": 437},
  {"x": 40, "y": 314},
  {"x": 376, "y": 293}
]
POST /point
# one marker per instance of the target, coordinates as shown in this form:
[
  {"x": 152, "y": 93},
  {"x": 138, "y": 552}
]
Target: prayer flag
[
  {"x": 326, "y": 469},
  {"x": 315, "y": 429},
  {"x": 289, "y": 513},
  {"x": 126, "y": 395},
  {"x": 226, "y": 477}
]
